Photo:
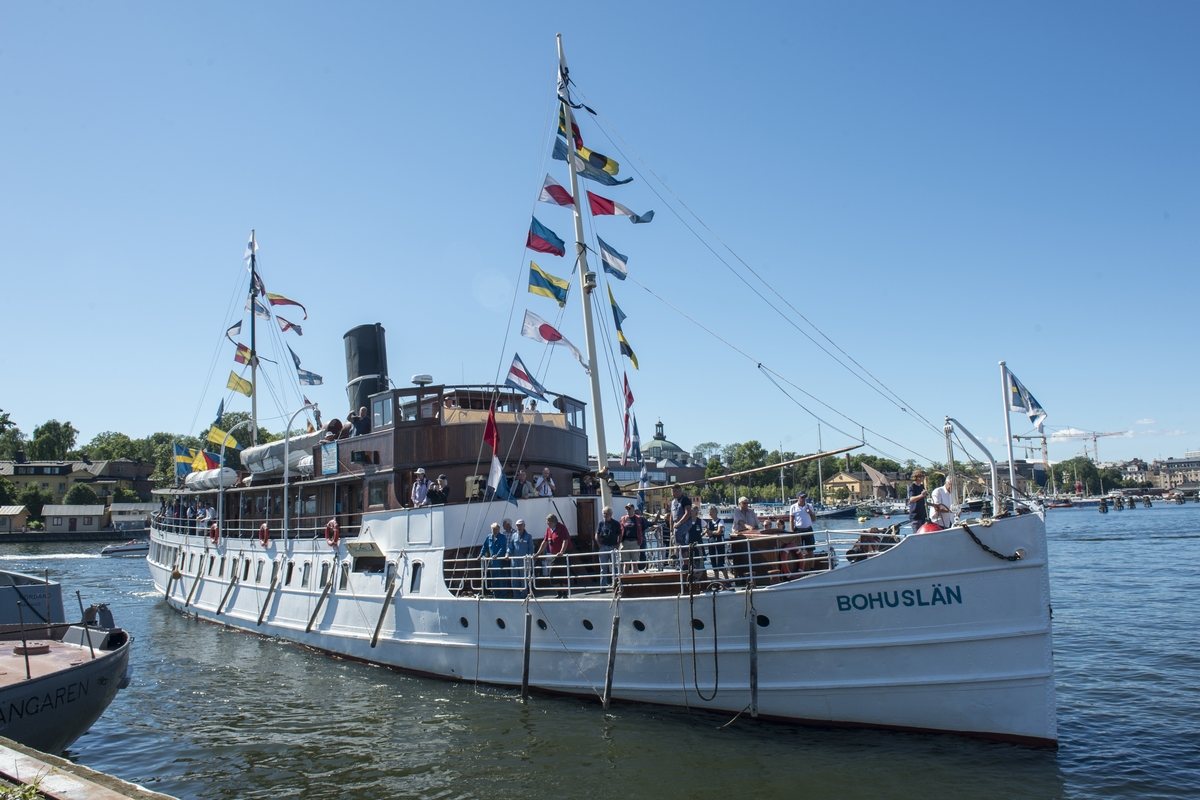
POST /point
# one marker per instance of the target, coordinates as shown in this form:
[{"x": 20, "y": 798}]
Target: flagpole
[
  {"x": 253, "y": 350},
  {"x": 1012, "y": 470},
  {"x": 588, "y": 280}
]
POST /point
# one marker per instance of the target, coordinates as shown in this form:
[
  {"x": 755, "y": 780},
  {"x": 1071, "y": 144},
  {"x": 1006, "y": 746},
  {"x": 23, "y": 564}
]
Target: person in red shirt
[{"x": 558, "y": 544}]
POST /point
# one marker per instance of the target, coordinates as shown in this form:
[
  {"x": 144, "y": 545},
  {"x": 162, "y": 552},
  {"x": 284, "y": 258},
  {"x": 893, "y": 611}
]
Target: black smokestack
[{"x": 366, "y": 363}]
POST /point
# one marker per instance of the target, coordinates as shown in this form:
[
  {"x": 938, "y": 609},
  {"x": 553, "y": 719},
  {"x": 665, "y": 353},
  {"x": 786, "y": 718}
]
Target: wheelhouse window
[
  {"x": 377, "y": 493},
  {"x": 381, "y": 412}
]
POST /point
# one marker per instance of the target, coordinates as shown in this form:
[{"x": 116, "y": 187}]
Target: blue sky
[{"x": 937, "y": 186}]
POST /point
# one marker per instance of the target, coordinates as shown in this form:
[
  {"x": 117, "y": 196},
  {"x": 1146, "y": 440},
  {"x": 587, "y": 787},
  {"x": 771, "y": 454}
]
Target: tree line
[
  {"x": 720, "y": 460},
  {"x": 56, "y": 441}
]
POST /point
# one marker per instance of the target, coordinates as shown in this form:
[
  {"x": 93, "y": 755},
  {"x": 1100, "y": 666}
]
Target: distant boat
[
  {"x": 137, "y": 547},
  {"x": 56, "y": 678},
  {"x": 837, "y": 513}
]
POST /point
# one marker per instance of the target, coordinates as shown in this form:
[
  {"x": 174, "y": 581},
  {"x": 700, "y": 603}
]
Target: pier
[{"x": 59, "y": 779}]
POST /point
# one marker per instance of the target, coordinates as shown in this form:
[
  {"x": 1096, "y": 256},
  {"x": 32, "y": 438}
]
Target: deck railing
[
  {"x": 659, "y": 569},
  {"x": 302, "y": 527}
]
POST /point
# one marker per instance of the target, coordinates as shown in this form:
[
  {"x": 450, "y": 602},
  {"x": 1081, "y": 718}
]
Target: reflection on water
[{"x": 213, "y": 713}]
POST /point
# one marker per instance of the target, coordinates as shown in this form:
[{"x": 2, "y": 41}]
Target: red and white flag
[
  {"x": 286, "y": 326},
  {"x": 628, "y": 393},
  {"x": 603, "y": 207},
  {"x": 536, "y": 328},
  {"x": 553, "y": 192}
]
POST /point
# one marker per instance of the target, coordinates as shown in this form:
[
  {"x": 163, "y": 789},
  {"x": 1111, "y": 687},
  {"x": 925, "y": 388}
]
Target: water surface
[{"x": 213, "y": 713}]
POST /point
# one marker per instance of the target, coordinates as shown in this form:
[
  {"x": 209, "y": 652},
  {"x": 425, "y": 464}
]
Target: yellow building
[{"x": 104, "y": 477}]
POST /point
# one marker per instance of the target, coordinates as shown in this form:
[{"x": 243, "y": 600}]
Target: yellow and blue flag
[
  {"x": 618, "y": 318},
  {"x": 545, "y": 284},
  {"x": 183, "y": 459}
]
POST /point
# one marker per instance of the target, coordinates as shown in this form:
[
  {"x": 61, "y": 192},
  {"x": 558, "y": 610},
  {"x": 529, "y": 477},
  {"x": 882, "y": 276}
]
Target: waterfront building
[
  {"x": 131, "y": 515},
  {"x": 74, "y": 519},
  {"x": 660, "y": 449},
  {"x": 1175, "y": 472},
  {"x": 12, "y": 518},
  {"x": 104, "y": 477}
]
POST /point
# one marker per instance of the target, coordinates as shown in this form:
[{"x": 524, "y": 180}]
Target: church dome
[{"x": 661, "y": 448}]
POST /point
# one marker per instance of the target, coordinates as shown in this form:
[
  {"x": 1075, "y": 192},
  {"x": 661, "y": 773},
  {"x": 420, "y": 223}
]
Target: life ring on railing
[
  {"x": 333, "y": 533},
  {"x": 264, "y": 534},
  {"x": 214, "y": 533}
]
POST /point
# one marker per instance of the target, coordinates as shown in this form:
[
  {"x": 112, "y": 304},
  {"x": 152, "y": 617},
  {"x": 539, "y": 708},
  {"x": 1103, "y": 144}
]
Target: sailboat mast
[
  {"x": 253, "y": 342},
  {"x": 588, "y": 279}
]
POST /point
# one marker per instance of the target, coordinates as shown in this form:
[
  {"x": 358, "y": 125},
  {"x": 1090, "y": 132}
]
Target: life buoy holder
[
  {"x": 264, "y": 534},
  {"x": 214, "y": 533},
  {"x": 333, "y": 533}
]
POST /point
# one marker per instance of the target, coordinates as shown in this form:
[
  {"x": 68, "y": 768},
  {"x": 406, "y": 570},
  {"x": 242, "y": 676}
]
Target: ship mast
[
  {"x": 253, "y": 343},
  {"x": 588, "y": 279}
]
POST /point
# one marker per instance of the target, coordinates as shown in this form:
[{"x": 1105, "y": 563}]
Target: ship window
[
  {"x": 258, "y": 572},
  {"x": 345, "y": 575},
  {"x": 192, "y": 563},
  {"x": 391, "y": 572},
  {"x": 221, "y": 571},
  {"x": 212, "y": 562},
  {"x": 246, "y": 569},
  {"x": 377, "y": 493},
  {"x": 274, "y": 571},
  {"x": 304, "y": 575},
  {"x": 381, "y": 412},
  {"x": 324, "y": 574},
  {"x": 414, "y": 586},
  {"x": 288, "y": 580},
  {"x": 369, "y": 564}
]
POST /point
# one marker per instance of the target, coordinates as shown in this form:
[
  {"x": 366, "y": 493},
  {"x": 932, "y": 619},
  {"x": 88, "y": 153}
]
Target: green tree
[
  {"x": 52, "y": 441},
  {"x": 123, "y": 495},
  {"x": 8, "y": 492},
  {"x": 110, "y": 445},
  {"x": 81, "y": 495},
  {"x": 11, "y": 438},
  {"x": 34, "y": 498},
  {"x": 705, "y": 450}
]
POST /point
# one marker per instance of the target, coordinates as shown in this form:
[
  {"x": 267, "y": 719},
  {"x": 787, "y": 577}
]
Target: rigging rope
[{"x": 897, "y": 401}]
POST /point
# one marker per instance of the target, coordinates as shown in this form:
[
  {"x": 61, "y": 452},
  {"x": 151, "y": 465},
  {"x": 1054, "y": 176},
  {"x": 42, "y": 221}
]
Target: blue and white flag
[
  {"x": 614, "y": 262},
  {"x": 251, "y": 249},
  {"x": 1019, "y": 399},
  {"x": 522, "y": 379},
  {"x": 306, "y": 378},
  {"x": 260, "y": 310}
]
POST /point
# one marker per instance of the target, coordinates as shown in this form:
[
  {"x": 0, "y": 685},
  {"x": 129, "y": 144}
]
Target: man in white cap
[
  {"x": 420, "y": 490},
  {"x": 802, "y": 523}
]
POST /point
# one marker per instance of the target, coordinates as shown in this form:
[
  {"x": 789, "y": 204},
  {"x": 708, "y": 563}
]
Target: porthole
[
  {"x": 698, "y": 624},
  {"x": 638, "y": 625},
  {"x": 463, "y": 621},
  {"x": 762, "y": 621},
  {"x": 542, "y": 624},
  {"x": 587, "y": 623},
  {"x": 500, "y": 623}
]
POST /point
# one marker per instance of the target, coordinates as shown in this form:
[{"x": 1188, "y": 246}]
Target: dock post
[
  {"x": 612, "y": 659},
  {"x": 753, "y": 618},
  {"x": 525, "y": 659}
]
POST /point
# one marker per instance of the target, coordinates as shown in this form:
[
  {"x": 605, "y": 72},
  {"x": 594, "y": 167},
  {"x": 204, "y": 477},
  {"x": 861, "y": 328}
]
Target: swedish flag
[
  {"x": 183, "y": 459},
  {"x": 545, "y": 284}
]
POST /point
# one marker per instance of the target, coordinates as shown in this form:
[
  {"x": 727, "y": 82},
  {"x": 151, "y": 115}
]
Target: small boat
[
  {"x": 137, "y": 547},
  {"x": 837, "y": 513},
  {"x": 56, "y": 678}
]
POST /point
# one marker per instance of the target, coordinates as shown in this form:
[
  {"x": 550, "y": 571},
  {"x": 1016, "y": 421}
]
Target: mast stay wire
[
  {"x": 894, "y": 399},
  {"x": 760, "y": 365},
  {"x": 546, "y": 134},
  {"x": 216, "y": 353}
]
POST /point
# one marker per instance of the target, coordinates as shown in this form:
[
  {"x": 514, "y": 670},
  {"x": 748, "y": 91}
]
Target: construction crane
[{"x": 1085, "y": 435}]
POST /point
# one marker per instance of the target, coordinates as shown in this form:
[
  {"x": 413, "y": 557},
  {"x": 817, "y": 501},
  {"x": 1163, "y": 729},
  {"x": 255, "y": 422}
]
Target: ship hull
[{"x": 935, "y": 634}]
